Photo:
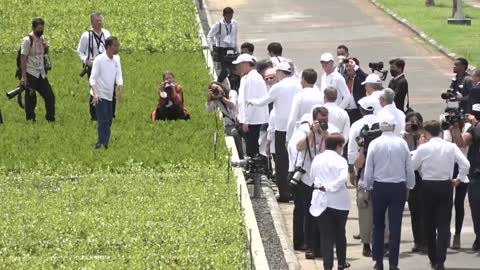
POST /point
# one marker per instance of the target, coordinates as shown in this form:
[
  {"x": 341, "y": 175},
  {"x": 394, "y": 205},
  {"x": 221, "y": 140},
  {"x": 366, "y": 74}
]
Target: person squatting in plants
[
  {"x": 171, "y": 103},
  {"x": 34, "y": 65},
  {"x": 105, "y": 79}
]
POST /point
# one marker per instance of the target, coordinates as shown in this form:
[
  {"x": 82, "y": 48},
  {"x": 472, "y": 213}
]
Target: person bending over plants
[{"x": 171, "y": 103}]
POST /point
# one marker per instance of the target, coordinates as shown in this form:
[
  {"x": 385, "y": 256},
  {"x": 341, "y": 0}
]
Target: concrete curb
[
  {"x": 427, "y": 39},
  {"x": 279, "y": 223},
  {"x": 251, "y": 227}
]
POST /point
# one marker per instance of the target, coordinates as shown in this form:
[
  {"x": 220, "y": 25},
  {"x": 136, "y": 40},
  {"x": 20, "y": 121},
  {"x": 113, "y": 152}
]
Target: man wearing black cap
[{"x": 471, "y": 138}]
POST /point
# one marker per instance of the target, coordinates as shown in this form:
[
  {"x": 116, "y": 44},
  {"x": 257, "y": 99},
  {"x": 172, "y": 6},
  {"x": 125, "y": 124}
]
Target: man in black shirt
[
  {"x": 462, "y": 83},
  {"x": 354, "y": 77},
  {"x": 471, "y": 138},
  {"x": 399, "y": 83}
]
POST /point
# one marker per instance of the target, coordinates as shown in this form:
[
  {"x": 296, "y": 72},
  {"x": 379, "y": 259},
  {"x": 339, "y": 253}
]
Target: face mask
[
  {"x": 38, "y": 33},
  {"x": 394, "y": 73}
]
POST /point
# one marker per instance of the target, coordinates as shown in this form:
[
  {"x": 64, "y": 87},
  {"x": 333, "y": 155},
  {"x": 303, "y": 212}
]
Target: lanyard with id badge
[{"x": 228, "y": 29}]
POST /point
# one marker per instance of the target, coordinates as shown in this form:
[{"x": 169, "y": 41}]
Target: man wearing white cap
[
  {"x": 386, "y": 101},
  {"x": 304, "y": 101},
  {"x": 281, "y": 95},
  {"x": 331, "y": 78},
  {"x": 251, "y": 118},
  {"x": 373, "y": 86},
  {"x": 388, "y": 177},
  {"x": 356, "y": 162}
]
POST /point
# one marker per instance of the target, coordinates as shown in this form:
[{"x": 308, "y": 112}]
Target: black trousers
[
  {"x": 251, "y": 140},
  {"x": 474, "y": 200},
  {"x": 173, "y": 112},
  {"x": 305, "y": 230},
  {"x": 459, "y": 202},
  {"x": 332, "y": 224},
  {"x": 438, "y": 200},
  {"x": 43, "y": 87},
  {"x": 415, "y": 205},
  {"x": 281, "y": 164},
  {"x": 224, "y": 64}
]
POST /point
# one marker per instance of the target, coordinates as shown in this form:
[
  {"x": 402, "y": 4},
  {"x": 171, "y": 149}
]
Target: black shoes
[
  {"x": 309, "y": 255},
  {"x": 367, "y": 251},
  {"x": 356, "y": 236},
  {"x": 476, "y": 245},
  {"x": 456, "y": 242},
  {"x": 423, "y": 249},
  {"x": 300, "y": 247},
  {"x": 99, "y": 146}
]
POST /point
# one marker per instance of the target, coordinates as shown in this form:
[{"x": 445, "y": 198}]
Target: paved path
[{"x": 306, "y": 28}]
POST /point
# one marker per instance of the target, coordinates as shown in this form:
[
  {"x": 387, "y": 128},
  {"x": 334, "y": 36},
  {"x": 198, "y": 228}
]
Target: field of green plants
[{"x": 156, "y": 199}]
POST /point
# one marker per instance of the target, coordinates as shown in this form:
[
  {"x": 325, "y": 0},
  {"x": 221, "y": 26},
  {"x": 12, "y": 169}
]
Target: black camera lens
[{"x": 414, "y": 127}]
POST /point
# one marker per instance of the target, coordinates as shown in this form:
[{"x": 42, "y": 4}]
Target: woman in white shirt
[
  {"x": 221, "y": 97},
  {"x": 331, "y": 201}
]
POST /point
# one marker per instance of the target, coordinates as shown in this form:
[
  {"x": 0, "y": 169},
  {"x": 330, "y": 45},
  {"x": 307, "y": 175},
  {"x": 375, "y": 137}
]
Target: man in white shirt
[
  {"x": 435, "y": 160},
  {"x": 304, "y": 101},
  {"x": 386, "y": 99},
  {"x": 336, "y": 115},
  {"x": 388, "y": 177},
  {"x": 373, "y": 86},
  {"x": 92, "y": 44},
  {"x": 222, "y": 39},
  {"x": 252, "y": 86},
  {"x": 281, "y": 95},
  {"x": 105, "y": 79},
  {"x": 332, "y": 78}
]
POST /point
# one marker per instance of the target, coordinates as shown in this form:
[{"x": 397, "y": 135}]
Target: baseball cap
[
  {"x": 368, "y": 103},
  {"x": 326, "y": 57},
  {"x": 284, "y": 66},
  {"x": 244, "y": 57},
  {"x": 372, "y": 78}
]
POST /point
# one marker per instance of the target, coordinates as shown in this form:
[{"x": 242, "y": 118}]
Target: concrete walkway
[{"x": 306, "y": 28}]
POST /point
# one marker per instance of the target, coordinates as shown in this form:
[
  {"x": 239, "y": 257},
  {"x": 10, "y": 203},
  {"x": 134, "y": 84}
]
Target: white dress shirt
[
  {"x": 339, "y": 118},
  {"x": 353, "y": 148},
  {"x": 96, "y": 41},
  {"x": 436, "y": 158},
  {"x": 106, "y": 73},
  {"x": 223, "y": 34},
  {"x": 281, "y": 94},
  {"x": 271, "y": 131},
  {"x": 303, "y": 103},
  {"x": 330, "y": 170},
  {"x": 399, "y": 117},
  {"x": 229, "y": 114},
  {"x": 252, "y": 86},
  {"x": 389, "y": 161},
  {"x": 337, "y": 81}
]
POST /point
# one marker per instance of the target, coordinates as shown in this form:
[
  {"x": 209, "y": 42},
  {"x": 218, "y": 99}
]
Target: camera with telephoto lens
[
  {"x": 258, "y": 165},
  {"x": 323, "y": 124},
  {"x": 17, "y": 92},
  {"x": 378, "y": 66},
  {"x": 367, "y": 135},
  {"x": 449, "y": 95},
  {"x": 296, "y": 178}
]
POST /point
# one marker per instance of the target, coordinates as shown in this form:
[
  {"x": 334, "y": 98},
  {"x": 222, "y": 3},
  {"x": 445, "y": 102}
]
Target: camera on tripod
[{"x": 378, "y": 66}]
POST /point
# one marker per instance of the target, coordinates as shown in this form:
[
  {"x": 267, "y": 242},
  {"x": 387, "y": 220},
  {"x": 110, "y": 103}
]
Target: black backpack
[{"x": 18, "y": 73}]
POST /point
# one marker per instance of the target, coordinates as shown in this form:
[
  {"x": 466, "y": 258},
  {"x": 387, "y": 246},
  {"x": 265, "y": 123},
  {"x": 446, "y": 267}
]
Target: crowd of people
[{"x": 352, "y": 130}]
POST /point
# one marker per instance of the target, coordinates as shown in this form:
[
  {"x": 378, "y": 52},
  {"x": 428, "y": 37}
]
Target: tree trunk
[
  {"x": 430, "y": 3},
  {"x": 454, "y": 10}
]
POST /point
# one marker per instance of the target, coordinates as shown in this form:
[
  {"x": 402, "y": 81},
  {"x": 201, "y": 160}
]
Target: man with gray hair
[
  {"x": 336, "y": 115},
  {"x": 386, "y": 99},
  {"x": 92, "y": 44}
]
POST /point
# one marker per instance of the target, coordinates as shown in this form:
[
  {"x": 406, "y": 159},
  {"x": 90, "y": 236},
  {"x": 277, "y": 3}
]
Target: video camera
[
  {"x": 17, "y": 92},
  {"x": 378, "y": 66},
  {"x": 453, "y": 113},
  {"x": 256, "y": 165},
  {"x": 367, "y": 135},
  {"x": 231, "y": 55}
]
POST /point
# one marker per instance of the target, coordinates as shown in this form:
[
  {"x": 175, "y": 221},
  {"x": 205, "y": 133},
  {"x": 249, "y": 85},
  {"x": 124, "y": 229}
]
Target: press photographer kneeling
[
  {"x": 226, "y": 101},
  {"x": 171, "y": 103}
]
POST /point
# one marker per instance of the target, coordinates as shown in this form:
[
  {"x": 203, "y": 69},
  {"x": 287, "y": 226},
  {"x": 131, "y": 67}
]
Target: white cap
[
  {"x": 326, "y": 57},
  {"x": 372, "y": 78},
  {"x": 284, "y": 66},
  {"x": 244, "y": 57},
  {"x": 386, "y": 119},
  {"x": 368, "y": 103},
  {"x": 476, "y": 107}
]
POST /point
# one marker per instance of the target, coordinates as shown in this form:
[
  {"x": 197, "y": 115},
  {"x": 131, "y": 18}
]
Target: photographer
[
  {"x": 226, "y": 101},
  {"x": 342, "y": 57},
  {"x": 435, "y": 160},
  {"x": 471, "y": 138},
  {"x": 221, "y": 39},
  {"x": 33, "y": 71},
  {"x": 414, "y": 136},
  {"x": 462, "y": 83},
  {"x": 399, "y": 84},
  {"x": 92, "y": 44},
  {"x": 310, "y": 141},
  {"x": 171, "y": 103}
]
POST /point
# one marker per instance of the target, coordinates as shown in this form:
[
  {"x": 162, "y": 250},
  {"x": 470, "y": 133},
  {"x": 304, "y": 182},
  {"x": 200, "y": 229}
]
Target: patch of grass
[{"x": 463, "y": 40}]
